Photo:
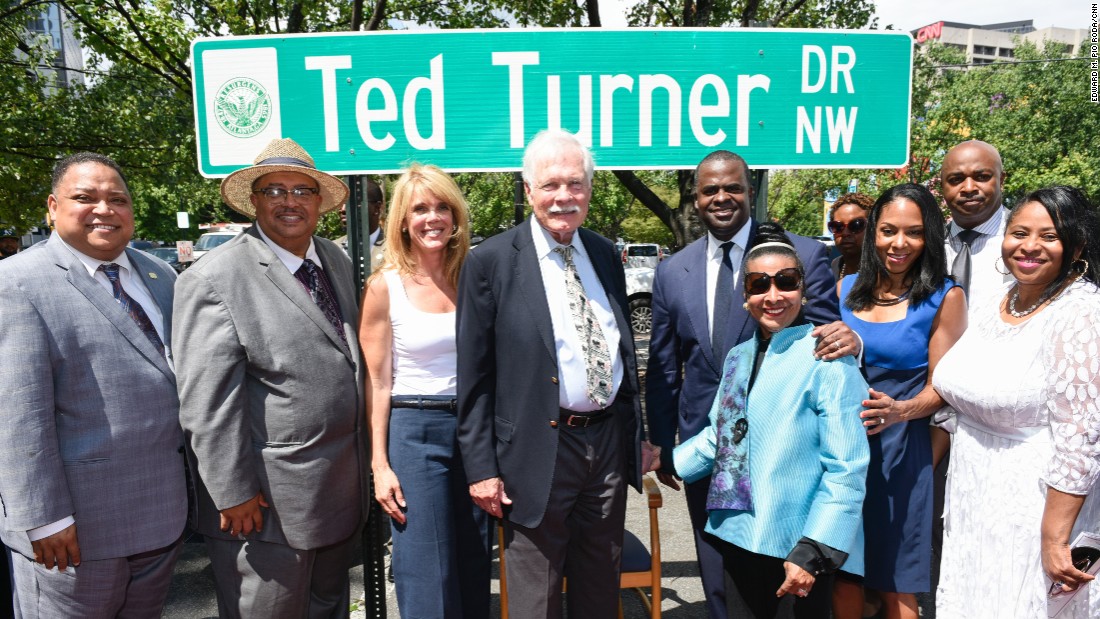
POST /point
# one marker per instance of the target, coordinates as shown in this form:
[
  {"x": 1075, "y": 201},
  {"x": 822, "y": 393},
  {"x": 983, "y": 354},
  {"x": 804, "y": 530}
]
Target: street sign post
[{"x": 471, "y": 100}]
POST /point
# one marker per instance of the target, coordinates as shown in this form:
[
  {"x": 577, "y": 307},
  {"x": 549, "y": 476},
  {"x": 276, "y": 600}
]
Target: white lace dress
[{"x": 1028, "y": 403}]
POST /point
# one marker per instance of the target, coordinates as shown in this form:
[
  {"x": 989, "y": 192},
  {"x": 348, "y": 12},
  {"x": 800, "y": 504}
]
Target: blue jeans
[{"x": 441, "y": 555}]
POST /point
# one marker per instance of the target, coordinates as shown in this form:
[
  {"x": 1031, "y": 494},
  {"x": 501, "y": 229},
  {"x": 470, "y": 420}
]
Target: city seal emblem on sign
[{"x": 242, "y": 107}]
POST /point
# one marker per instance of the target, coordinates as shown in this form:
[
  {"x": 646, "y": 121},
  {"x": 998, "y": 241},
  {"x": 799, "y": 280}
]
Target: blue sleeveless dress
[{"x": 897, "y": 512}]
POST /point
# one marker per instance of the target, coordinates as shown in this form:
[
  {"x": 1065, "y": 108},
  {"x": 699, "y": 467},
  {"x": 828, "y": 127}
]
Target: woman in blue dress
[{"x": 908, "y": 313}]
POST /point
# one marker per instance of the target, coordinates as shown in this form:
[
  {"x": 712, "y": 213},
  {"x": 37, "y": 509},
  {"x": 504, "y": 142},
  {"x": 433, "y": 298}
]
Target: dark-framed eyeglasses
[
  {"x": 855, "y": 226},
  {"x": 787, "y": 280},
  {"x": 276, "y": 193}
]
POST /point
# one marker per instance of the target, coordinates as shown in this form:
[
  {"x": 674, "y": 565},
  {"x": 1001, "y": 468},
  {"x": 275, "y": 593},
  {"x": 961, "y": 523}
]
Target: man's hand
[
  {"x": 60, "y": 549},
  {"x": 244, "y": 518},
  {"x": 489, "y": 495},
  {"x": 835, "y": 340},
  {"x": 651, "y": 457}
]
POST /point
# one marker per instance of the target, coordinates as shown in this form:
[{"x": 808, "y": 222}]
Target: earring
[
  {"x": 995, "y": 268},
  {"x": 404, "y": 230},
  {"x": 745, "y": 305},
  {"x": 1081, "y": 266},
  {"x": 803, "y": 300}
]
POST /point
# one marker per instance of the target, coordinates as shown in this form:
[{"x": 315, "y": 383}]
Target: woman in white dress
[
  {"x": 1025, "y": 459},
  {"x": 441, "y": 558}
]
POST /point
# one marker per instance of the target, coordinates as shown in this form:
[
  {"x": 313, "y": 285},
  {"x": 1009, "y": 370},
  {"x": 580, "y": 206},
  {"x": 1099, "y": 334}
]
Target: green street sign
[{"x": 642, "y": 98}]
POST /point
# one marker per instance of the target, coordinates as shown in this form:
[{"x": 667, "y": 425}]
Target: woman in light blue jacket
[{"x": 787, "y": 451}]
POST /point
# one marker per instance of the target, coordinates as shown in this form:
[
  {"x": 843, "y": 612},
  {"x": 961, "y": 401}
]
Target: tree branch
[
  {"x": 645, "y": 195},
  {"x": 593, "y": 9},
  {"x": 377, "y": 16},
  {"x": 749, "y": 14},
  {"x": 785, "y": 13}
]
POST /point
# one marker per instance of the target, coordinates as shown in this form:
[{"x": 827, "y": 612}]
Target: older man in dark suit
[
  {"x": 271, "y": 396},
  {"x": 91, "y": 467},
  {"x": 698, "y": 317},
  {"x": 549, "y": 415}
]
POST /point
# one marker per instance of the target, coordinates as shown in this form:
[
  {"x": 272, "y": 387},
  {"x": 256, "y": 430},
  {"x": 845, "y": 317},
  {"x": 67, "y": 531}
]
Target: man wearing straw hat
[{"x": 270, "y": 377}]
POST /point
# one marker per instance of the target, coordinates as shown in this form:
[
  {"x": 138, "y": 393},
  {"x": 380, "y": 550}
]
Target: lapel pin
[{"x": 152, "y": 275}]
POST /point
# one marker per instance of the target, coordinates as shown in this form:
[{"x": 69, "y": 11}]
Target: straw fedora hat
[{"x": 281, "y": 155}]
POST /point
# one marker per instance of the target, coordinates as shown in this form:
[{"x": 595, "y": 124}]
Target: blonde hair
[{"x": 417, "y": 180}]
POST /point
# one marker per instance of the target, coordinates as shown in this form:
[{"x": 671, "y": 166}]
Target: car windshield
[
  {"x": 210, "y": 241},
  {"x": 642, "y": 250},
  {"x": 167, "y": 254}
]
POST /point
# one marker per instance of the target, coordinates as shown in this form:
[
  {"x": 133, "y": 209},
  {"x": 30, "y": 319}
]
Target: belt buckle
[{"x": 578, "y": 421}]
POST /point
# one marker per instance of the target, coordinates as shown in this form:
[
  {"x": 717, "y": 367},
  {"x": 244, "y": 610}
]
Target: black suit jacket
[{"x": 508, "y": 369}]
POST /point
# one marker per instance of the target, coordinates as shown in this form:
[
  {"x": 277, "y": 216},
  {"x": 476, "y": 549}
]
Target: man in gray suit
[
  {"x": 271, "y": 401},
  {"x": 93, "y": 485}
]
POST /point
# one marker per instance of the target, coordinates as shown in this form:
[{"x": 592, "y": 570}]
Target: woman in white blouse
[
  {"x": 407, "y": 332},
  {"x": 1025, "y": 460}
]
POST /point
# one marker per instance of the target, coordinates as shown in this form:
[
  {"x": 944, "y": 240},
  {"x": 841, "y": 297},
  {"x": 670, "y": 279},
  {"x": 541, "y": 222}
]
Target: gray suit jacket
[
  {"x": 88, "y": 409},
  {"x": 271, "y": 399}
]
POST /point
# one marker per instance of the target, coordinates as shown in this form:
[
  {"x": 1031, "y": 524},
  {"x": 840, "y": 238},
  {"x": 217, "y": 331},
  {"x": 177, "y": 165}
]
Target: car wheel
[{"x": 641, "y": 316}]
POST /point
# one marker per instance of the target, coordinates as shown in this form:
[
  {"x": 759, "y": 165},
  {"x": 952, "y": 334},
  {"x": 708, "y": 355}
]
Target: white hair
[{"x": 550, "y": 143}]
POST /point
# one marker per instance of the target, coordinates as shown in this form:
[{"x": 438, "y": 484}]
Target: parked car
[
  {"x": 639, "y": 293},
  {"x": 642, "y": 255},
  {"x": 169, "y": 255},
  {"x": 217, "y": 236}
]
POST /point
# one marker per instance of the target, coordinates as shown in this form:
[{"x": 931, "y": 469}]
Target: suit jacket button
[
  {"x": 554, "y": 379},
  {"x": 553, "y": 424}
]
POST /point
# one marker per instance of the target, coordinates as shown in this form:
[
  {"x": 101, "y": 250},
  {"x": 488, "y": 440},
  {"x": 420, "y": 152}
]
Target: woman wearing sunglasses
[
  {"x": 909, "y": 313},
  {"x": 786, "y": 450},
  {"x": 1024, "y": 477},
  {"x": 847, "y": 222}
]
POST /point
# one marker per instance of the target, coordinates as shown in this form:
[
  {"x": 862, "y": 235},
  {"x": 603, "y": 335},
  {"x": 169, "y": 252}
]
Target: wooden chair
[{"x": 641, "y": 567}]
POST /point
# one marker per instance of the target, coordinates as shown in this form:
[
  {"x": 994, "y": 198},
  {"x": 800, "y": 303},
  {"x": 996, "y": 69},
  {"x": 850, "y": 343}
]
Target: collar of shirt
[
  {"x": 993, "y": 226},
  {"x": 545, "y": 244},
  {"x": 740, "y": 240},
  {"x": 292, "y": 262},
  {"x": 92, "y": 264}
]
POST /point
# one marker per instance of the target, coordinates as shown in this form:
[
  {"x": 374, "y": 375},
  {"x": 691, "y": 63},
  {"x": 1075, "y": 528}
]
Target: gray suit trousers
[
  {"x": 133, "y": 587},
  {"x": 263, "y": 580}
]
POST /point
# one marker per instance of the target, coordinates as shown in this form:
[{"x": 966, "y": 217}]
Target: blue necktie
[{"x": 131, "y": 307}]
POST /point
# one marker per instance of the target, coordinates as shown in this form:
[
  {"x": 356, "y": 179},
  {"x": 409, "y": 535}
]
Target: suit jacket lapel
[
  {"x": 529, "y": 275},
  {"x": 160, "y": 289},
  {"x": 286, "y": 282},
  {"x": 105, "y": 302},
  {"x": 345, "y": 295}
]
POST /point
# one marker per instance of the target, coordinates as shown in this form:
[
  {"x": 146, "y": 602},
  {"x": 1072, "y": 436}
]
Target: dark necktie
[
  {"x": 597, "y": 359},
  {"x": 723, "y": 299},
  {"x": 131, "y": 307},
  {"x": 960, "y": 268},
  {"x": 320, "y": 290}
]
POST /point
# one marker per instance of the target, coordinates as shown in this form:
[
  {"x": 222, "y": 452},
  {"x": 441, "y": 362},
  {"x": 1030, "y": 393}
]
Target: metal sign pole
[{"x": 373, "y": 539}]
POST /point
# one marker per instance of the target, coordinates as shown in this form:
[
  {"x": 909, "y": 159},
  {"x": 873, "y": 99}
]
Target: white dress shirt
[
  {"x": 985, "y": 252},
  {"x": 714, "y": 264},
  {"x": 572, "y": 369},
  {"x": 135, "y": 288},
  {"x": 291, "y": 261}
]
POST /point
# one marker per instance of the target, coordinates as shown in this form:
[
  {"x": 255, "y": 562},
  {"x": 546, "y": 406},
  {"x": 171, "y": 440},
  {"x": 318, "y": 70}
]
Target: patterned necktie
[
  {"x": 723, "y": 299},
  {"x": 960, "y": 268},
  {"x": 596, "y": 358},
  {"x": 131, "y": 307},
  {"x": 320, "y": 290}
]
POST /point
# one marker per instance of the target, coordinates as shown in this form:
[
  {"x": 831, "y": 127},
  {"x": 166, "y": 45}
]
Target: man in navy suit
[{"x": 696, "y": 323}]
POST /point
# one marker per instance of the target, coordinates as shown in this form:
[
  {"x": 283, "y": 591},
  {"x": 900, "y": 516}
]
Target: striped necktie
[{"x": 130, "y": 306}]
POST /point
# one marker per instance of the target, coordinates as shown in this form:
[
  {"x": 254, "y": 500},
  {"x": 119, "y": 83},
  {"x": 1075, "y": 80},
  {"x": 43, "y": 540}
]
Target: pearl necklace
[{"x": 1015, "y": 296}]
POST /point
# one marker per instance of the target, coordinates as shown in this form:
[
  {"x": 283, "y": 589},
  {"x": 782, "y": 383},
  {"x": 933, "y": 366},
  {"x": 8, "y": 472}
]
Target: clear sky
[{"x": 910, "y": 15}]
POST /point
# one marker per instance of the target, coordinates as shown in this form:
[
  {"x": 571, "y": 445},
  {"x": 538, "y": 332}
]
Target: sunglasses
[
  {"x": 1083, "y": 558},
  {"x": 855, "y": 226},
  {"x": 787, "y": 280}
]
